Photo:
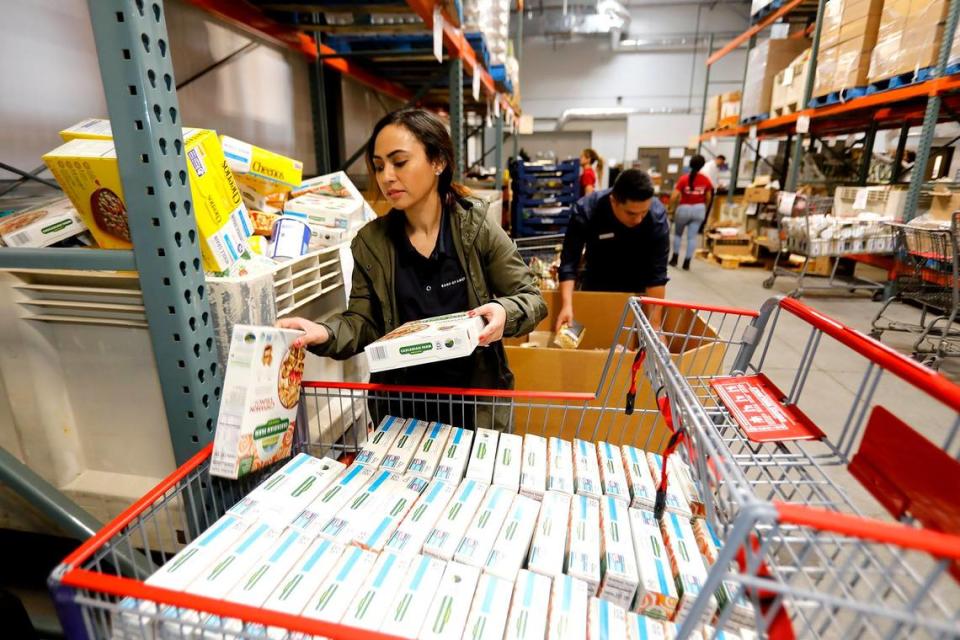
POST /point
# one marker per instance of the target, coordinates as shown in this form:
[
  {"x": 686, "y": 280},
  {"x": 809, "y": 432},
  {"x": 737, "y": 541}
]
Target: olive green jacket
[{"x": 494, "y": 271}]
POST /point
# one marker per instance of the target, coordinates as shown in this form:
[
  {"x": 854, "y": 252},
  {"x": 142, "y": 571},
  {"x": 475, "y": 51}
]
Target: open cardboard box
[{"x": 545, "y": 367}]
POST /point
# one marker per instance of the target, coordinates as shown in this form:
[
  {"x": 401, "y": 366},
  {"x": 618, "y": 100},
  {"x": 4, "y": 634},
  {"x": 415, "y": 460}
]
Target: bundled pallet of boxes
[
  {"x": 908, "y": 42},
  {"x": 850, "y": 32},
  {"x": 765, "y": 61},
  {"x": 723, "y": 110},
  {"x": 789, "y": 86}
]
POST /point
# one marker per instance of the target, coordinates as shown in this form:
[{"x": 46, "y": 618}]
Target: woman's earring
[{"x": 438, "y": 172}]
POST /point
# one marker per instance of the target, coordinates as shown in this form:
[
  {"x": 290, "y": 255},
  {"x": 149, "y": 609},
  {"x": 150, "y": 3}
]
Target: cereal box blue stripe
[
  {"x": 435, "y": 431},
  {"x": 582, "y": 445},
  {"x": 245, "y": 224},
  {"x": 252, "y": 538},
  {"x": 289, "y": 540},
  {"x": 322, "y": 549},
  {"x": 612, "y": 505},
  {"x": 661, "y": 577},
  {"x": 467, "y": 490},
  {"x": 384, "y": 570},
  {"x": 437, "y": 487},
  {"x": 604, "y": 620},
  {"x": 233, "y": 252},
  {"x": 495, "y": 498},
  {"x": 583, "y": 506},
  {"x": 567, "y": 592},
  {"x": 633, "y": 454},
  {"x": 528, "y": 592},
  {"x": 348, "y": 567},
  {"x": 421, "y": 571},
  {"x": 350, "y": 476},
  {"x": 488, "y": 596},
  {"x": 676, "y": 526},
  {"x": 379, "y": 481},
  {"x": 390, "y": 422},
  {"x": 641, "y": 627},
  {"x": 713, "y": 535},
  {"x": 458, "y": 435},
  {"x": 236, "y": 157},
  {"x": 227, "y": 522},
  {"x": 606, "y": 446},
  {"x": 378, "y": 531},
  {"x": 296, "y": 462},
  {"x": 412, "y": 427}
]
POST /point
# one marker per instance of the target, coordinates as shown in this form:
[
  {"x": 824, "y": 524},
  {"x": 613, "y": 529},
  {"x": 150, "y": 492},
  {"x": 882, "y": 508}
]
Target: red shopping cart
[{"x": 797, "y": 548}]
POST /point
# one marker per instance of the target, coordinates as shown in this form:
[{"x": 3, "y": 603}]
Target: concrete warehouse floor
[{"x": 827, "y": 396}]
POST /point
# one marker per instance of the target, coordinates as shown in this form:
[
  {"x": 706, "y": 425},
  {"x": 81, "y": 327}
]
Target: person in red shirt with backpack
[{"x": 690, "y": 202}]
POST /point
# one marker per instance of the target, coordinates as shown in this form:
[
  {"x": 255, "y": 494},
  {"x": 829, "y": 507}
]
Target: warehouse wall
[{"x": 594, "y": 76}]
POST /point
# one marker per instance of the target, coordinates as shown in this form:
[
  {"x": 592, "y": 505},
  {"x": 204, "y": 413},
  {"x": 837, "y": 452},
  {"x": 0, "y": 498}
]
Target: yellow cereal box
[
  {"x": 263, "y": 171},
  {"x": 89, "y": 174},
  {"x": 91, "y": 129}
]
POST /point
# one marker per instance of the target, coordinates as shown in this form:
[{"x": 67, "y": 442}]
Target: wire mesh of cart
[
  {"x": 809, "y": 230},
  {"x": 927, "y": 276},
  {"x": 840, "y": 519},
  {"x": 542, "y": 255},
  {"x": 102, "y": 590}
]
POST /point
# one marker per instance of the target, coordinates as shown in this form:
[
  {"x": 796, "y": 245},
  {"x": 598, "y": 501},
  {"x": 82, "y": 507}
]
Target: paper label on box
[
  {"x": 476, "y": 83},
  {"x": 508, "y": 552},
  {"x": 373, "y": 532},
  {"x": 488, "y": 614},
  {"x": 420, "y": 520},
  {"x": 559, "y": 465},
  {"x": 611, "y": 471},
  {"x": 447, "y": 616},
  {"x": 438, "y": 33},
  {"x": 643, "y": 491},
  {"x": 533, "y": 471},
  {"x": 568, "y": 609},
  {"x": 583, "y": 541},
  {"x": 483, "y": 456},
  {"x": 386, "y": 491},
  {"x": 506, "y": 472},
  {"x": 453, "y": 463},
  {"x": 617, "y": 562},
  {"x": 408, "y": 610},
  {"x": 529, "y": 607},
  {"x": 550, "y": 536},
  {"x": 405, "y": 446},
  {"x": 479, "y": 538},
  {"x": 428, "y": 453},
  {"x": 803, "y": 124},
  {"x": 453, "y": 523},
  {"x": 317, "y": 514},
  {"x": 380, "y": 441},
  {"x": 586, "y": 469}
]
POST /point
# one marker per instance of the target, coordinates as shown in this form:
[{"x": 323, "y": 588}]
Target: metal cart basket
[
  {"x": 808, "y": 230},
  {"x": 541, "y": 253},
  {"x": 927, "y": 277},
  {"x": 798, "y": 554}
]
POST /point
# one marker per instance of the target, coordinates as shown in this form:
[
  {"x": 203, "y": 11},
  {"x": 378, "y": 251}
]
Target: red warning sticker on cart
[{"x": 754, "y": 403}]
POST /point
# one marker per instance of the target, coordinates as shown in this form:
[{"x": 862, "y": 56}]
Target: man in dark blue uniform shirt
[{"x": 627, "y": 239}]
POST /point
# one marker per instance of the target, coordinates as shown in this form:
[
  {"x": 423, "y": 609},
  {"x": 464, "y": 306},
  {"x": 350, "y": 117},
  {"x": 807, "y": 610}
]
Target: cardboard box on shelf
[
  {"x": 583, "y": 542},
  {"x": 790, "y": 84},
  {"x": 760, "y": 195},
  {"x": 533, "y": 471},
  {"x": 657, "y": 592},
  {"x": 488, "y": 614},
  {"x": 510, "y": 549},
  {"x": 483, "y": 455},
  {"x": 559, "y": 465},
  {"x": 676, "y": 501},
  {"x": 548, "y": 547},
  {"x": 413, "y": 528},
  {"x": 586, "y": 469},
  {"x": 313, "y": 517},
  {"x": 367, "y": 610},
  {"x": 765, "y": 60},
  {"x": 606, "y": 620},
  {"x": 89, "y": 174},
  {"x": 258, "y": 409},
  {"x": 427, "y": 456},
  {"x": 405, "y": 446},
  {"x": 612, "y": 474},
  {"x": 408, "y": 609},
  {"x": 824, "y": 82},
  {"x": 478, "y": 540},
  {"x": 506, "y": 472},
  {"x": 446, "y": 534},
  {"x": 617, "y": 561},
  {"x": 448, "y": 613},
  {"x": 568, "y": 609},
  {"x": 528, "y": 607},
  {"x": 711, "y": 116},
  {"x": 689, "y": 572},
  {"x": 729, "y": 108},
  {"x": 41, "y": 226},
  {"x": 580, "y": 370},
  {"x": 853, "y": 63},
  {"x": 643, "y": 491},
  {"x": 453, "y": 463},
  {"x": 308, "y": 574},
  {"x": 428, "y": 340},
  {"x": 379, "y": 442},
  {"x": 331, "y": 600},
  {"x": 264, "y": 171}
]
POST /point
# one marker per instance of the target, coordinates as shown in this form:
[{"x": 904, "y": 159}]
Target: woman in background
[
  {"x": 690, "y": 201},
  {"x": 591, "y": 169}
]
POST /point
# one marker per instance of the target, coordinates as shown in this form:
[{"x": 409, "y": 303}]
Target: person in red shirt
[
  {"x": 690, "y": 201},
  {"x": 591, "y": 168}
]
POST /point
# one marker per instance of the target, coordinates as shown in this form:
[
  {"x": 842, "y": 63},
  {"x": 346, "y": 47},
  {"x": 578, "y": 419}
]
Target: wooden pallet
[
  {"x": 730, "y": 261},
  {"x": 786, "y": 109}
]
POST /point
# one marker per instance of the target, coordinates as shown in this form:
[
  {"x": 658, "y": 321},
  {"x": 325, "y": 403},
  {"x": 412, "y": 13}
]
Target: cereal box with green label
[
  {"x": 428, "y": 340},
  {"x": 258, "y": 409}
]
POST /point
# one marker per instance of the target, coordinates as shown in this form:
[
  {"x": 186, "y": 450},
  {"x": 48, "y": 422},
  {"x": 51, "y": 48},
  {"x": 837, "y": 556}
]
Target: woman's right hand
[
  {"x": 564, "y": 317},
  {"x": 313, "y": 333}
]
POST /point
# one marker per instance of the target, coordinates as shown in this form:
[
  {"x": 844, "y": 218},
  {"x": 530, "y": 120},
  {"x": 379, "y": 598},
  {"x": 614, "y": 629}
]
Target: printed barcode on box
[
  {"x": 379, "y": 353},
  {"x": 18, "y": 239}
]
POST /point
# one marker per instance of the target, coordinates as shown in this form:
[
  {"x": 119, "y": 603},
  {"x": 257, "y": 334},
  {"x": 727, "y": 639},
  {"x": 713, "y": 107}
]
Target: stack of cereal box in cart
[{"x": 436, "y": 531}]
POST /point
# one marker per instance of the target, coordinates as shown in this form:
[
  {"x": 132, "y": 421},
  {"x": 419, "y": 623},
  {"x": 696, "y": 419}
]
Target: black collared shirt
[{"x": 618, "y": 258}]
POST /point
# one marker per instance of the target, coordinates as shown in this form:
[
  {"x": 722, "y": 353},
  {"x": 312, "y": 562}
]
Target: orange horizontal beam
[
  {"x": 250, "y": 19},
  {"x": 754, "y": 30}
]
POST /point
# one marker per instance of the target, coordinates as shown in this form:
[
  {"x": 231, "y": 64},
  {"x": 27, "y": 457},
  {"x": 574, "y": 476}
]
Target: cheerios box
[
  {"x": 88, "y": 171},
  {"x": 264, "y": 171},
  {"x": 429, "y": 340},
  {"x": 258, "y": 407}
]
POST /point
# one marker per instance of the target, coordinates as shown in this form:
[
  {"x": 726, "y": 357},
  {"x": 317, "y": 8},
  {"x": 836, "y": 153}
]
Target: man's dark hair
[
  {"x": 721, "y": 157},
  {"x": 634, "y": 185}
]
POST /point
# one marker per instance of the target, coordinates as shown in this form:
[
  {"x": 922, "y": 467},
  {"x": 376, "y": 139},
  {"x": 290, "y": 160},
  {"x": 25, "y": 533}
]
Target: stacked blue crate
[{"x": 543, "y": 195}]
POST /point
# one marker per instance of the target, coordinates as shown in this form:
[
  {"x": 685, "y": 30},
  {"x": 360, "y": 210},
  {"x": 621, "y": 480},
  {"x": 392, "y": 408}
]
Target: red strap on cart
[
  {"x": 678, "y": 436},
  {"x": 780, "y": 627},
  {"x": 634, "y": 371}
]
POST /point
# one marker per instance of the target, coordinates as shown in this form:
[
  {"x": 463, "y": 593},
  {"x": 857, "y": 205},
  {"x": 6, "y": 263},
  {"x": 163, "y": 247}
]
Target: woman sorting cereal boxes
[{"x": 434, "y": 253}]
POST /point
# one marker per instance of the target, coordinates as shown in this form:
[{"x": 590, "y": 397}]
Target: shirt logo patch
[
  {"x": 453, "y": 282},
  {"x": 606, "y": 236}
]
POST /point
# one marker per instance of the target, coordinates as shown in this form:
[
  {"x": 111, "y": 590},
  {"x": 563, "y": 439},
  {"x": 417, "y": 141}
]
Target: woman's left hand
[{"x": 496, "y": 317}]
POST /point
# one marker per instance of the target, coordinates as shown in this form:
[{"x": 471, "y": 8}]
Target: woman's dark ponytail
[{"x": 696, "y": 163}]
